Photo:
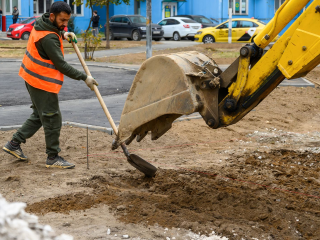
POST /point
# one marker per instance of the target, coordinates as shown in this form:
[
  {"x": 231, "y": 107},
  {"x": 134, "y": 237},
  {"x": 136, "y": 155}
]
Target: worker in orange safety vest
[{"x": 43, "y": 68}]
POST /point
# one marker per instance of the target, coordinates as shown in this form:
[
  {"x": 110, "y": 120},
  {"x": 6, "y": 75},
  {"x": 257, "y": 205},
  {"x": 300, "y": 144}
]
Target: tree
[{"x": 102, "y": 3}]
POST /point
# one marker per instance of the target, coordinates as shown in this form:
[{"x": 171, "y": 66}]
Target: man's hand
[
  {"x": 90, "y": 81},
  {"x": 70, "y": 37}
]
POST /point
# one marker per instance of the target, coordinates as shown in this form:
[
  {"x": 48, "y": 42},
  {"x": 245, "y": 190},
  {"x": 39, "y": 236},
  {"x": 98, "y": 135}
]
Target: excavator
[{"x": 169, "y": 86}]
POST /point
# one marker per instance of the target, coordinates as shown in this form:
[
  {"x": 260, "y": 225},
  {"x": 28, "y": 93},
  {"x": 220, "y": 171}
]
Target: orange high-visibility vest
[{"x": 38, "y": 72}]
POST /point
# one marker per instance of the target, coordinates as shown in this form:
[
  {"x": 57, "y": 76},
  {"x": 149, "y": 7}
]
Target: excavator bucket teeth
[{"x": 165, "y": 88}]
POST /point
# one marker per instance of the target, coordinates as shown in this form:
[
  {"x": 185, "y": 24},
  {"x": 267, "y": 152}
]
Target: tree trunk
[{"x": 108, "y": 27}]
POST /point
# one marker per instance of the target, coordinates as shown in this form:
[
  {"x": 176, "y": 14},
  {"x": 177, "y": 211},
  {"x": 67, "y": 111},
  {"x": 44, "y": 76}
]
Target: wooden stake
[{"x": 87, "y": 148}]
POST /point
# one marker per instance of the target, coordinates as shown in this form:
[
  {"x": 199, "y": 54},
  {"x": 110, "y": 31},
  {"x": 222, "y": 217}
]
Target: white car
[{"x": 179, "y": 27}]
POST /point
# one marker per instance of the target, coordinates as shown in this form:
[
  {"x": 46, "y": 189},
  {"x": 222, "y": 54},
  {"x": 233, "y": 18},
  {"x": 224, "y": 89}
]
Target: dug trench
[{"x": 275, "y": 195}]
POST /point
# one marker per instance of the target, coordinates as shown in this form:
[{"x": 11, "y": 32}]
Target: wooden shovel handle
[{"x": 95, "y": 88}]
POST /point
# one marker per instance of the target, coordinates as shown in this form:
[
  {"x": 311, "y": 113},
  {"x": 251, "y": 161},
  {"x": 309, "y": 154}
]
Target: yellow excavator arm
[{"x": 169, "y": 86}]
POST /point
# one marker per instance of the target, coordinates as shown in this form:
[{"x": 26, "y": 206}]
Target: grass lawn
[
  {"x": 220, "y": 52},
  {"x": 17, "y": 48}
]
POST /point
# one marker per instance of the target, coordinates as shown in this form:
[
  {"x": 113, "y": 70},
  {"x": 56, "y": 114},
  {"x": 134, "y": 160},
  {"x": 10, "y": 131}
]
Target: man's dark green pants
[{"x": 46, "y": 113}]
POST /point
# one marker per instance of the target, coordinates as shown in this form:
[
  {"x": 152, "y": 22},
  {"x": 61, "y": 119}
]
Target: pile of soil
[{"x": 259, "y": 178}]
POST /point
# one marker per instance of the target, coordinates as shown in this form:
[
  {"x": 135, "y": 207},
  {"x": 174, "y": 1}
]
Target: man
[
  {"x": 95, "y": 23},
  {"x": 42, "y": 68},
  {"x": 15, "y": 14}
]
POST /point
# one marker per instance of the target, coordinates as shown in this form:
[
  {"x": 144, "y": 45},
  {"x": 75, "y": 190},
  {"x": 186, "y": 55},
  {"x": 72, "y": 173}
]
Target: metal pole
[
  {"x": 87, "y": 148},
  {"x": 149, "y": 30},
  {"x": 230, "y": 26},
  {"x": 3, "y": 22}
]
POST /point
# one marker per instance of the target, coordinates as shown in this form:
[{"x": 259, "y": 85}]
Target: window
[
  {"x": 247, "y": 24},
  {"x": 41, "y": 6},
  {"x": 226, "y": 25},
  {"x": 116, "y": 20},
  {"x": 223, "y": 26},
  {"x": 162, "y": 23},
  {"x": 263, "y": 23},
  {"x": 138, "y": 19},
  {"x": 137, "y": 8},
  {"x": 125, "y": 20},
  {"x": 10, "y": 4},
  {"x": 202, "y": 20},
  {"x": 239, "y": 7},
  {"x": 235, "y": 24},
  {"x": 188, "y": 21},
  {"x": 172, "y": 22},
  {"x": 76, "y": 10},
  {"x": 28, "y": 20},
  {"x": 277, "y": 4}
]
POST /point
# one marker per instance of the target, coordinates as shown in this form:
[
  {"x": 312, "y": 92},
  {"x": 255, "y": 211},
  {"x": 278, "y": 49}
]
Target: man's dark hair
[
  {"x": 58, "y": 7},
  {"x": 95, "y": 11}
]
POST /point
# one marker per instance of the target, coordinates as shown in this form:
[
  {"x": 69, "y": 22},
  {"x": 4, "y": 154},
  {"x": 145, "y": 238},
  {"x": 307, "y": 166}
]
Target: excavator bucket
[{"x": 165, "y": 88}]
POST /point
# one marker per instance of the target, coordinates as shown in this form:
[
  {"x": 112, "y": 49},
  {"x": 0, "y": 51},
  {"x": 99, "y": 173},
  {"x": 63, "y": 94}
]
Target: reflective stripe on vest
[{"x": 38, "y": 72}]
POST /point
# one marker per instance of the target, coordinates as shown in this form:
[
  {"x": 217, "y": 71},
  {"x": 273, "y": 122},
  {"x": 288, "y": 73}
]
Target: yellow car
[{"x": 243, "y": 30}]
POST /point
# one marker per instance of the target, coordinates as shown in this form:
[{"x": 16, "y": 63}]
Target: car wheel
[
  {"x": 176, "y": 36},
  {"x": 111, "y": 36},
  {"x": 136, "y": 35},
  {"x": 167, "y": 39},
  {"x": 25, "y": 36},
  {"x": 208, "y": 39}
]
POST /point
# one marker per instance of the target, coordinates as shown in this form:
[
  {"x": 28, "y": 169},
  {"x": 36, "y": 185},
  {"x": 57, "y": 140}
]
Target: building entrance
[{"x": 169, "y": 9}]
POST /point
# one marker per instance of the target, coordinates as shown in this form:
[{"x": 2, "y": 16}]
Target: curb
[
  {"x": 72, "y": 124},
  {"x": 92, "y": 65},
  {"x": 107, "y": 66},
  {"x": 91, "y": 127}
]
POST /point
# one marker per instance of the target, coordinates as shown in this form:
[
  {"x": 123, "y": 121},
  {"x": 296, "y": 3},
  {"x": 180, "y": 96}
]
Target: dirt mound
[{"x": 251, "y": 196}]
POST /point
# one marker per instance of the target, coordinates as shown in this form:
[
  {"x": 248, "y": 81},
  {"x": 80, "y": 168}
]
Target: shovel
[{"x": 143, "y": 166}]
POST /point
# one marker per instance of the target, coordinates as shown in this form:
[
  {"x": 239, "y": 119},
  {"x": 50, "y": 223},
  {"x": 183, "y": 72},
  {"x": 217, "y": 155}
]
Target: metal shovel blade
[{"x": 142, "y": 165}]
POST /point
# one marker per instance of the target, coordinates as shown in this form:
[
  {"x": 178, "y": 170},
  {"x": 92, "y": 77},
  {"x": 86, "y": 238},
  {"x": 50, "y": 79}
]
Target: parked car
[
  {"x": 21, "y": 30},
  {"x": 243, "y": 30},
  {"x": 206, "y": 22},
  {"x": 132, "y": 27},
  {"x": 179, "y": 27}
]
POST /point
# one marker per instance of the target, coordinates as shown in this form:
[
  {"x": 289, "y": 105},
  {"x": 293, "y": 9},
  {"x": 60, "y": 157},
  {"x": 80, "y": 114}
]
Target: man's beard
[{"x": 56, "y": 25}]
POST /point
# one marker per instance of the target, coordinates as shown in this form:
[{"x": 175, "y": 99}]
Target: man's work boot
[
  {"x": 14, "y": 149},
  {"x": 58, "y": 162}
]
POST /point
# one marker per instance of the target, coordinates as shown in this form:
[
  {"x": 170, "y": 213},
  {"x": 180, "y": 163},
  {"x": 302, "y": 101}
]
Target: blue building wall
[
  {"x": 25, "y": 11},
  {"x": 217, "y": 9},
  {"x": 81, "y": 22}
]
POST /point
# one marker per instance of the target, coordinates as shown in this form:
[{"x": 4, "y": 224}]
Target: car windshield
[
  {"x": 29, "y": 20},
  {"x": 187, "y": 20},
  {"x": 202, "y": 20},
  {"x": 138, "y": 19}
]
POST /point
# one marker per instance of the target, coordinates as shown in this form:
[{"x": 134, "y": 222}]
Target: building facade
[
  {"x": 217, "y": 9},
  {"x": 263, "y": 10},
  {"x": 30, "y": 8}
]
